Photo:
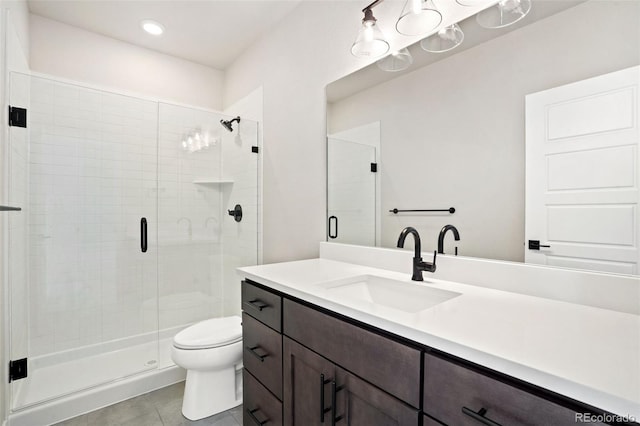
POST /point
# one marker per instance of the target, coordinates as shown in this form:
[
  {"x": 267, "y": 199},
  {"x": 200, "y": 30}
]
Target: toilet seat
[{"x": 211, "y": 333}]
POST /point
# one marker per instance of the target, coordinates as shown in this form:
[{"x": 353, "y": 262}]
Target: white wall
[
  {"x": 69, "y": 52},
  {"x": 293, "y": 71},
  {"x": 293, "y": 64},
  {"x": 453, "y": 131}
]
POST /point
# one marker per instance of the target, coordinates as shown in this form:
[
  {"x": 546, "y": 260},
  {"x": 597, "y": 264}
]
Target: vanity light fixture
[
  {"x": 418, "y": 17},
  {"x": 370, "y": 42},
  {"x": 396, "y": 61},
  {"x": 152, "y": 27},
  {"x": 503, "y": 13},
  {"x": 446, "y": 39}
]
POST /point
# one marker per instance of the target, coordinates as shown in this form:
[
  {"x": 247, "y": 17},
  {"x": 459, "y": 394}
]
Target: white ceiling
[{"x": 210, "y": 32}]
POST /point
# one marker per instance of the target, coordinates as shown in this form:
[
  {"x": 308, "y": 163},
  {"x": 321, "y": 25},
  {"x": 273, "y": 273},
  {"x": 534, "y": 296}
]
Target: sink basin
[{"x": 398, "y": 295}]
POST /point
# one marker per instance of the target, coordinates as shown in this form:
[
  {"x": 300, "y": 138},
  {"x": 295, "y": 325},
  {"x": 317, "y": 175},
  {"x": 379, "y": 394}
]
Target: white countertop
[{"x": 586, "y": 353}]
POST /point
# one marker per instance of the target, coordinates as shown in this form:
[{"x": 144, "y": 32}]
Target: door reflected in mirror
[{"x": 529, "y": 132}]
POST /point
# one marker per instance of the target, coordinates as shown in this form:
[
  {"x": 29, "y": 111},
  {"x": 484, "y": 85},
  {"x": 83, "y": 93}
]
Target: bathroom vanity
[{"x": 328, "y": 342}]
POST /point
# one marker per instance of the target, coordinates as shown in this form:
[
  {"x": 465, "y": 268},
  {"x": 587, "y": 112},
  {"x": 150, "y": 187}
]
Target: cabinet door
[
  {"x": 307, "y": 386},
  {"x": 359, "y": 403}
]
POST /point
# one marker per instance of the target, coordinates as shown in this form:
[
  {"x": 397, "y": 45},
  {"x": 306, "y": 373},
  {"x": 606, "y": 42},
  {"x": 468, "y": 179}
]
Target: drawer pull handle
[
  {"x": 323, "y": 410},
  {"x": 479, "y": 416},
  {"x": 257, "y": 304},
  {"x": 253, "y": 417},
  {"x": 334, "y": 390},
  {"x": 253, "y": 352}
]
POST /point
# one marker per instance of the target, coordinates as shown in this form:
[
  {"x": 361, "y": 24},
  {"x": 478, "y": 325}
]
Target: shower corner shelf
[{"x": 212, "y": 181}]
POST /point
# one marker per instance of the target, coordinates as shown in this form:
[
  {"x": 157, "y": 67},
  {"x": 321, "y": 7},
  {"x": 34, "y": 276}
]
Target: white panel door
[{"x": 582, "y": 174}]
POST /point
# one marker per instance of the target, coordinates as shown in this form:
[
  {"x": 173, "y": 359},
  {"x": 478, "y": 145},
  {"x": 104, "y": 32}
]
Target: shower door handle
[
  {"x": 335, "y": 219},
  {"x": 143, "y": 234}
]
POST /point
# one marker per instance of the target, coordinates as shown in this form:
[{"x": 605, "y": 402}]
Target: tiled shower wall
[
  {"x": 190, "y": 249},
  {"x": 93, "y": 176},
  {"x": 99, "y": 163}
]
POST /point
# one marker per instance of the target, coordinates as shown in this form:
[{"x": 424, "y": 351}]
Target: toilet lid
[{"x": 210, "y": 334}]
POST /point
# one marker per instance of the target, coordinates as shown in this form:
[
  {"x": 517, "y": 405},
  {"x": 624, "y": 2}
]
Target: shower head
[{"x": 227, "y": 123}]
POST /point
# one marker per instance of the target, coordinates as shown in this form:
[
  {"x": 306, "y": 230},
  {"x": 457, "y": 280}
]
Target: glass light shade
[
  {"x": 503, "y": 13},
  {"x": 444, "y": 40},
  {"x": 370, "y": 42},
  {"x": 418, "y": 17},
  {"x": 396, "y": 61}
]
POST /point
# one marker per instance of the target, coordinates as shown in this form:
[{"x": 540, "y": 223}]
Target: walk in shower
[{"x": 125, "y": 235}]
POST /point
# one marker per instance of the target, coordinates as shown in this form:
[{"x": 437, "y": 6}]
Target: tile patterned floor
[{"x": 159, "y": 408}]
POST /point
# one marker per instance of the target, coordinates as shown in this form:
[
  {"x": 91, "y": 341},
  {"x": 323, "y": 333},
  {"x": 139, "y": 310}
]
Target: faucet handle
[{"x": 431, "y": 267}]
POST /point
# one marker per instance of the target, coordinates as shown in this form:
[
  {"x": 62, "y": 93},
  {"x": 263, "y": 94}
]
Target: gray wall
[{"x": 453, "y": 131}]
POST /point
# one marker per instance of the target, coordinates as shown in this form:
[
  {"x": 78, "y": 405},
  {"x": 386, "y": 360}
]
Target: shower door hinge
[
  {"x": 17, "y": 369},
  {"x": 374, "y": 167},
  {"x": 255, "y": 149},
  {"x": 17, "y": 116}
]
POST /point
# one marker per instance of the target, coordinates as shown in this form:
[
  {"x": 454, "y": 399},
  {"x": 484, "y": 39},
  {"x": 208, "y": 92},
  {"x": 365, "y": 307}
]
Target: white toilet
[{"x": 211, "y": 352}]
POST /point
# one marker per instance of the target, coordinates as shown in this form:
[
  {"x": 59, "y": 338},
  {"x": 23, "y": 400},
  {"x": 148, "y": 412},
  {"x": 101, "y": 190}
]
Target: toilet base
[{"x": 209, "y": 392}]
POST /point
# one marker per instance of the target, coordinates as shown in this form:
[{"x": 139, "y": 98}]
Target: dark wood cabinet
[
  {"x": 307, "y": 386},
  {"x": 306, "y": 366},
  {"x": 262, "y": 356},
  {"x": 262, "y": 304},
  {"x": 359, "y": 403},
  {"x": 384, "y": 362},
  {"x": 457, "y": 395},
  {"x": 260, "y": 405},
  {"x": 262, "y": 353},
  {"x": 319, "y": 392}
]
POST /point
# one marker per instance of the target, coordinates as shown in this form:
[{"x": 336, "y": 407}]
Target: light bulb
[
  {"x": 415, "y": 6},
  {"x": 152, "y": 27},
  {"x": 367, "y": 33},
  {"x": 370, "y": 41}
]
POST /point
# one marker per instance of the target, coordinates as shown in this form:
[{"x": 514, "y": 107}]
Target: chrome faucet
[
  {"x": 443, "y": 232},
  {"x": 189, "y": 227},
  {"x": 418, "y": 264}
]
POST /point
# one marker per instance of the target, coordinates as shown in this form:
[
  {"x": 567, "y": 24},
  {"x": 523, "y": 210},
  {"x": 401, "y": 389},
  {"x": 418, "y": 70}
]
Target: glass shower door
[
  {"x": 351, "y": 192},
  {"x": 204, "y": 171},
  {"x": 86, "y": 313}
]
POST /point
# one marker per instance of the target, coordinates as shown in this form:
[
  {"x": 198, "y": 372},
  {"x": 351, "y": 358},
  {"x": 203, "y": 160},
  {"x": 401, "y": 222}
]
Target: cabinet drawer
[
  {"x": 259, "y": 405},
  {"x": 262, "y": 305},
  {"x": 387, "y": 364},
  {"x": 454, "y": 394},
  {"x": 262, "y": 353}
]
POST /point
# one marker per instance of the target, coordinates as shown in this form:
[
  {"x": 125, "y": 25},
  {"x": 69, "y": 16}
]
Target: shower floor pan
[{"x": 56, "y": 391}]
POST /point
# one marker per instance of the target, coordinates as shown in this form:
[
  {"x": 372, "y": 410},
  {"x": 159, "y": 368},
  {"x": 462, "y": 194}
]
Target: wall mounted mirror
[{"x": 538, "y": 112}]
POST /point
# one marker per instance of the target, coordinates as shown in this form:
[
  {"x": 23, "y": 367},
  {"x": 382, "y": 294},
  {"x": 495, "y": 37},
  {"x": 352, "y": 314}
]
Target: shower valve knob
[{"x": 236, "y": 212}]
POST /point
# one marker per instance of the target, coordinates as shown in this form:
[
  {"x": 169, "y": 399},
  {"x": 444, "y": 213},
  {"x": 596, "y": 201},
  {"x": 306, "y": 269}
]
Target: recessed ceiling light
[{"x": 152, "y": 27}]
